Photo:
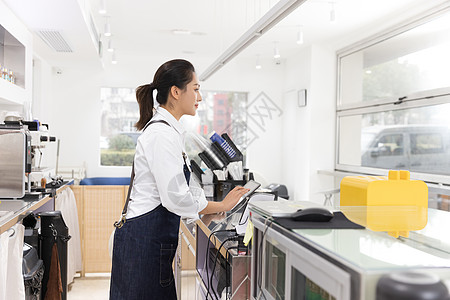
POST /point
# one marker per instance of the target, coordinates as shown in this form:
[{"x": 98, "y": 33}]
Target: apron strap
[{"x": 119, "y": 224}]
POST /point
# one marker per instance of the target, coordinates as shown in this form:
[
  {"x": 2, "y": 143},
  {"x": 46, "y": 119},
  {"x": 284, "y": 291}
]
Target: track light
[
  {"x": 258, "y": 63},
  {"x": 276, "y": 52},
  {"x": 332, "y": 13},
  {"x": 107, "y": 31},
  {"x": 300, "y": 37},
  {"x": 110, "y": 46},
  {"x": 102, "y": 8},
  {"x": 114, "y": 59}
]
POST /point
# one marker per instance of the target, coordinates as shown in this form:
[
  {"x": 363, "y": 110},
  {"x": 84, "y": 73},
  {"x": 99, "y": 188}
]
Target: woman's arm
[{"x": 227, "y": 204}]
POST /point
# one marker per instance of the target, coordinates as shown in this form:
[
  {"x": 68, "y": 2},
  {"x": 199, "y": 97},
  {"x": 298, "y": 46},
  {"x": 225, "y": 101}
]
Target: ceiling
[{"x": 142, "y": 28}]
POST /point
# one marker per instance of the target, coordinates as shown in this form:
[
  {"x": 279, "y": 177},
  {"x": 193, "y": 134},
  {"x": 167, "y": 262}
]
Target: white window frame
[{"x": 415, "y": 100}]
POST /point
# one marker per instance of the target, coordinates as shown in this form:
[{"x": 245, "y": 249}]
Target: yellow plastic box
[{"x": 392, "y": 203}]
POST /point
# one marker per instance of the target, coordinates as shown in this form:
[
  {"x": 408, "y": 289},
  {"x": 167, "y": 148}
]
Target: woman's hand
[
  {"x": 232, "y": 198},
  {"x": 227, "y": 204}
]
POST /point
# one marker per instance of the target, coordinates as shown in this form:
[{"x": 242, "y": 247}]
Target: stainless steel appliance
[{"x": 15, "y": 160}]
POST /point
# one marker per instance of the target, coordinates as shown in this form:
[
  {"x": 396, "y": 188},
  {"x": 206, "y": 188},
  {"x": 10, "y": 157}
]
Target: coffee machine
[
  {"x": 15, "y": 160},
  {"x": 40, "y": 137}
]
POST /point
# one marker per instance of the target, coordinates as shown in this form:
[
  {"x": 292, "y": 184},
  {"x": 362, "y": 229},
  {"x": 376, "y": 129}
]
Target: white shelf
[
  {"x": 11, "y": 94},
  {"x": 16, "y": 55}
]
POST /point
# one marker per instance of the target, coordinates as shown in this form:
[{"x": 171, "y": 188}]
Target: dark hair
[{"x": 177, "y": 72}]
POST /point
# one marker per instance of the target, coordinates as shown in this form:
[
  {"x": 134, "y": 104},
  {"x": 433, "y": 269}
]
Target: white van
[{"x": 417, "y": 148}]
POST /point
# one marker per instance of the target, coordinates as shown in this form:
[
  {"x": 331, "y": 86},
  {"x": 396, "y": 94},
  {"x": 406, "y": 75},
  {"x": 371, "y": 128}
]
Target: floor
[{"x": 96, "y": 286}]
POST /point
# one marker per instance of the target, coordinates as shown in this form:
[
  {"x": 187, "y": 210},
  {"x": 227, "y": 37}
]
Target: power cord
[
  {"x": 232, "y": 238},
  {"x": 226, "y": 259},
  {"x": 207, "y": 257}
]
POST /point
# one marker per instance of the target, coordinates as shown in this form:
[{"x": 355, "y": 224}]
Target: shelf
[
  {"x": 16, "y": 56},
  {"x": 11, "y": 94}
]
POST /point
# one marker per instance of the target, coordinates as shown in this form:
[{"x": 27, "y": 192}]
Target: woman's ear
[{"x": 175, "y": 92}]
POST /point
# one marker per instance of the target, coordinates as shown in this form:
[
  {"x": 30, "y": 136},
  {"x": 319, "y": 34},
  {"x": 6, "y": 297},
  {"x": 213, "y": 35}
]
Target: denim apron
[{"x": 143, "y": 252}]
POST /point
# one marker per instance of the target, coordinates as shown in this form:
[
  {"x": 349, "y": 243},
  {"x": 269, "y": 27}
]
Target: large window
[
  {"x": 394, "y": 100},
  {"x": 219, "y": 111},
  {"x": 222, "y": 112},
  {"x": 118, "y": 136}
]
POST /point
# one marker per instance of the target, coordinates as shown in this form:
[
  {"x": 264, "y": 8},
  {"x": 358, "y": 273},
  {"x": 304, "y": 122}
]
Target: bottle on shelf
[
  {"x": 5, "y": 73},
  {"x": 12, "y": 77}
]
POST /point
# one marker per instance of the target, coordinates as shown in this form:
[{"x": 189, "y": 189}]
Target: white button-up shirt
[{"x": 159, "y": 177}]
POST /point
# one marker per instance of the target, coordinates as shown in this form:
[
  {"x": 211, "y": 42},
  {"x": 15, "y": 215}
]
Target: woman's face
[{"x": 191, "y": 97}]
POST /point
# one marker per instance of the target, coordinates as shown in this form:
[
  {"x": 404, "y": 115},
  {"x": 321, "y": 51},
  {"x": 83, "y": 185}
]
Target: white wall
[
  {"x": 289, "y": 149},
  {"x": 72, "y": 108},
  {"x": 296, "y": 125},
  {"x": 308, "y": 132},
  {"x": 263, "y": 154},
  {"x": 323, "y": 120}
]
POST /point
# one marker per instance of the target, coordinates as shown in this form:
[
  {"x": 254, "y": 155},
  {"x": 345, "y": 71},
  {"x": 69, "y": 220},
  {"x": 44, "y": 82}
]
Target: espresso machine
[
  {"x": 15, "y": 160},
  {"x": 40, "y": 137}
]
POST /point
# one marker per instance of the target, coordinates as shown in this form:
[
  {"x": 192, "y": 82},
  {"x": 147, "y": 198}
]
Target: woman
[{"x": 144, "y": 247}]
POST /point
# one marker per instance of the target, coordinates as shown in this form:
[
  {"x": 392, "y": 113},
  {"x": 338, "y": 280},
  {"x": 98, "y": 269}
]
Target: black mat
[{"x": 339, "y": 221}]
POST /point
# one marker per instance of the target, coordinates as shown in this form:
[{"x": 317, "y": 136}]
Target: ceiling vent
[{"x": 55, "y": 40}]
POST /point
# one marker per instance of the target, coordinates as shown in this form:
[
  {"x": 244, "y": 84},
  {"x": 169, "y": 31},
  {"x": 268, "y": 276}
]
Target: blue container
[{"x": 225, "y": 146}]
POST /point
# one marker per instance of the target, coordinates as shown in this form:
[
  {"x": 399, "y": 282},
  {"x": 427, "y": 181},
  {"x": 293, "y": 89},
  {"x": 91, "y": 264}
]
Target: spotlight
[
  {"x": 300, "y": 37},
  {"x": 114, "y": 59},
  {"x": 102, "y": 8},
  {"x": 110, "y": 46},
  {"x": 258, "y": 63},
  {"x": 276, "y": 52},
  {"x": 332, "y": 13},
  {"x": 107, "y": 31}
]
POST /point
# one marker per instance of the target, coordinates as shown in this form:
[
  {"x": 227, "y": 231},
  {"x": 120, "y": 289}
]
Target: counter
[
  {"x": 346, "y": 263},
  {"x": 232, "y": 262},
  {"x": 13, "y": 211}
]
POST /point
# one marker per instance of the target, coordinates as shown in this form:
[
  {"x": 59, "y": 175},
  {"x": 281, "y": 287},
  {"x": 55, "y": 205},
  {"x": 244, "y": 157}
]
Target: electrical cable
[
  {"x": 207, "y": 257},
  {"x": 226, "y": 259},
  {"x": 232, "y": 238}
]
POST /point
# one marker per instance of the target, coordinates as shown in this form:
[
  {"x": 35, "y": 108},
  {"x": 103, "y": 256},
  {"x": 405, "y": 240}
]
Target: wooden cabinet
[{"x": 99, "y": 206}]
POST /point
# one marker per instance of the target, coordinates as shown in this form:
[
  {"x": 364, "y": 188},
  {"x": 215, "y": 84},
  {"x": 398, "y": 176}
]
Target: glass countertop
[{"x": 376, "y": 250}]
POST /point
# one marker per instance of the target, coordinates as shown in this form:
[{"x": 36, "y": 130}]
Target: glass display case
[
  {"x": 15, "y": 59},
  {"x": 341, "y": 264},
  {"x": 275, "y": 262},
  {"x": 12, "y": 58}
]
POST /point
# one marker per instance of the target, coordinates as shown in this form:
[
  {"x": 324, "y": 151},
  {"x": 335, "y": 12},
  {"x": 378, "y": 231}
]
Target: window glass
[
  {"x": 413, "y": 61},
  {"x": 394, "y": 102},
  {"x": 118, "y": 136},
  {"x": 222, "y": 112},
  {"x": 219, "y": 111},
  {"x": 426, "y": 143},
  {"x": 416, "y": 139}
]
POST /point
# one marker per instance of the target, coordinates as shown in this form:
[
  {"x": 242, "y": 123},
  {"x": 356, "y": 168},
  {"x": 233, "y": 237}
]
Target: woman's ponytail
[
  {"x": 144, "y": 96},
  {"x": 177, "y": 72}
]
